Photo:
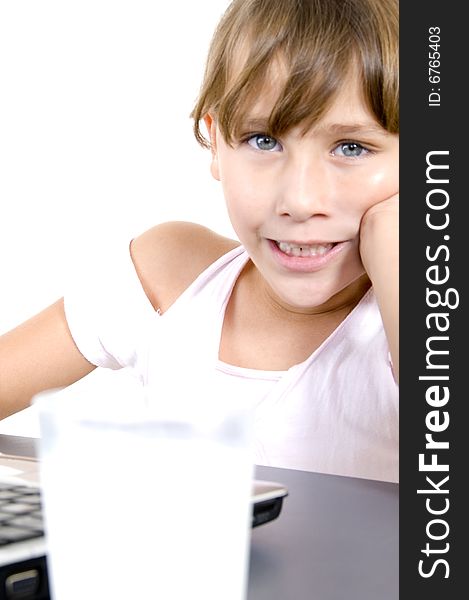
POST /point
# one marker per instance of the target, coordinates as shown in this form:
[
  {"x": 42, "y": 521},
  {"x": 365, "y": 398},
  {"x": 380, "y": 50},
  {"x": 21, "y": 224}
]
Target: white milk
[{"x": 145, "y": 505}]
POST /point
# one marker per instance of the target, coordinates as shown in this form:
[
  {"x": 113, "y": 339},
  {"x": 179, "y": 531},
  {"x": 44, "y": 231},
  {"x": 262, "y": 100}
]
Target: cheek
[
  {"x": 384, "y": 182},
  {"x": 244, "y": 195},
  {"x": 374, "y": 188},
  {"x": 244, "y": 207},
  {"x": 237, "y": 200}
]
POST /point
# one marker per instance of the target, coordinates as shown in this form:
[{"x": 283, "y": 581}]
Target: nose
[{"x": 305, "y": 190}]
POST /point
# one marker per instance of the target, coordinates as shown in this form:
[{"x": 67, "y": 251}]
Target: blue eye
[
  {"x": 264, "y": 142},
  {"x": 350, "y": 150}
]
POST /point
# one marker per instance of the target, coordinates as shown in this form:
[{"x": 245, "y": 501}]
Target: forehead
[{"x": 347, "y": 109}]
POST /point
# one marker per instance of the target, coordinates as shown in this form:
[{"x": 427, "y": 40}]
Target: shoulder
[{"x": 170, "y": 256}]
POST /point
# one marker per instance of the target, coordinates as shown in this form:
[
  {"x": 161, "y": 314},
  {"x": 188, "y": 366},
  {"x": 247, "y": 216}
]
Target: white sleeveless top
[{"x": 336, "y": 412}]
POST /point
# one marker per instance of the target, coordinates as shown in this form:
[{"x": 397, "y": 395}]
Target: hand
[
  {"x": 379, "y": 250},
  {"x": 379, "y": 237}
]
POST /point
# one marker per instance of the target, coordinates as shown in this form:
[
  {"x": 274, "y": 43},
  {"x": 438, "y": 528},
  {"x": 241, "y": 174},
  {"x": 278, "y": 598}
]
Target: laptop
[{"x": 23, "y": 547}]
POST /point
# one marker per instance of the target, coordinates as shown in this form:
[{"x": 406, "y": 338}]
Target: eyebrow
[
  {"x": 342, "y": 129},
  {"x": 256, "y": 124},
  {"x": 353, "y": 128}
]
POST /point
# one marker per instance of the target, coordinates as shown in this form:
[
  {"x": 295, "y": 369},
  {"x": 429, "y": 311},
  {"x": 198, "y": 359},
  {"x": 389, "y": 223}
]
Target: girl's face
[{"x": 296, "y": 203}]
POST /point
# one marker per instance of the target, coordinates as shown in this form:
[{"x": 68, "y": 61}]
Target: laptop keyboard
[{"x": 20, "y": 513}]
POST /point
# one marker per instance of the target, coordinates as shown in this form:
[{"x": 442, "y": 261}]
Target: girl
[{"x": 298, "y": 317}]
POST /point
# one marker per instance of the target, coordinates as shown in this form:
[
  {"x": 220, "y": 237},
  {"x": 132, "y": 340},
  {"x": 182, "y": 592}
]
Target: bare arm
[
  {"x": 41, "y": 354},
  {"x": 379, "y": 248},
  {"x": 37, "y": 355},
  {"x": 160, "y": 257}
]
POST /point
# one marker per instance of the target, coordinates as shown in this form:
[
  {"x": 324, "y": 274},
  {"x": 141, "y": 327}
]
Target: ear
[{"x": 211, "y": 125}]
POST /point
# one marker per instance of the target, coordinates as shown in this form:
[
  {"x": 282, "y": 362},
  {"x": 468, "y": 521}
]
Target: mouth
[
  {"x": 306, "y": 257},
  {"x": 303, "y": 250}
]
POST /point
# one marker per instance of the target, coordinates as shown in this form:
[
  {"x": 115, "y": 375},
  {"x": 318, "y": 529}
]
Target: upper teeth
[{"x": 304, "y": 249}]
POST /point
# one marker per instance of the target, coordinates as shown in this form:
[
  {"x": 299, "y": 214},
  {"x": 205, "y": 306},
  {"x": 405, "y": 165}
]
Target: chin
[
  {"x": 303, "y": 299},
  {"x": 309, "y": 295}
]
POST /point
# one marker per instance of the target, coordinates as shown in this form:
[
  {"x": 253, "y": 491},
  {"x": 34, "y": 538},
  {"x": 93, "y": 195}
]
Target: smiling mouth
[{"x": 304, "y": 250}]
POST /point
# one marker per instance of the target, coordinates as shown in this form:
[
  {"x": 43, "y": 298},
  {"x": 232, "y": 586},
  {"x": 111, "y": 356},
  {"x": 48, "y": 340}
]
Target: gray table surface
[{"x": 337, "y": 538}]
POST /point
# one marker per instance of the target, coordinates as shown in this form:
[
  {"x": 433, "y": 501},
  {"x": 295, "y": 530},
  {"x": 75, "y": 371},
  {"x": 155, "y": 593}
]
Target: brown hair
[{"x": 317, "y": 42}]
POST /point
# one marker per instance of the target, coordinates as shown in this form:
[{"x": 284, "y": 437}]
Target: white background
[{"x": 96, "y": 143}]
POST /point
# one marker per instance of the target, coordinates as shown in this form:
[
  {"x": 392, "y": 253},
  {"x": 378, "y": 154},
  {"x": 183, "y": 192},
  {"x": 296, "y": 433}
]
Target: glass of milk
[{"x": 145, "y": 502}]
